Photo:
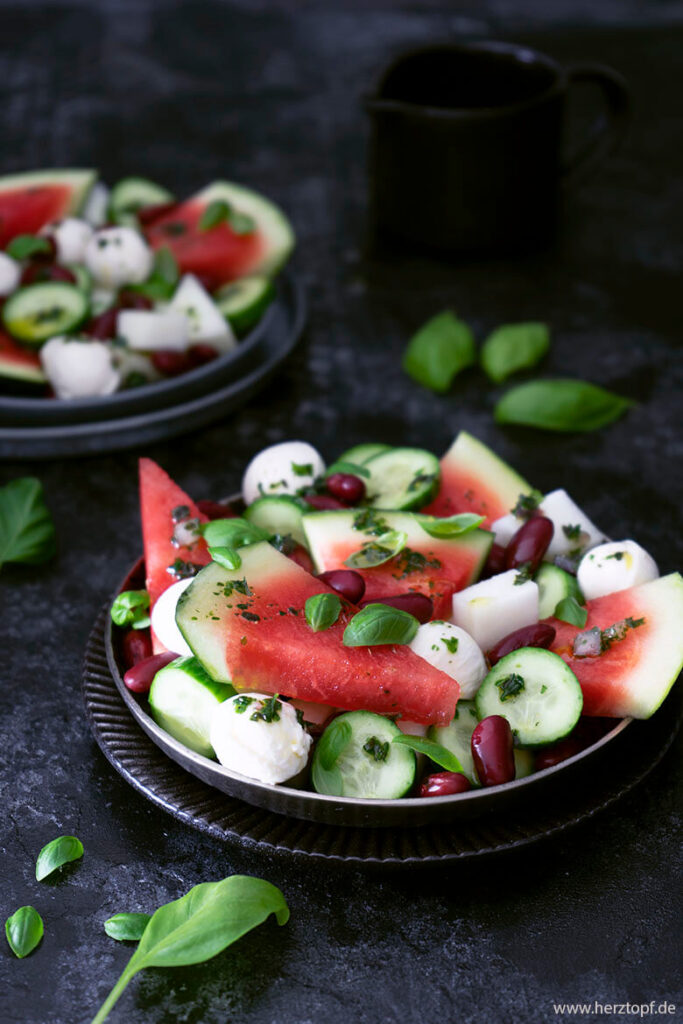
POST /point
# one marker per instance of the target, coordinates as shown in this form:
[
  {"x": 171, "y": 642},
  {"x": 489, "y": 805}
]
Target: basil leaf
[
  {"x": 438, "y": 753},
  {"x": 27, "y": 533},
  {"x": 380, "y": 624},
  {"x": 377, "y": 552},
  {"x": 514, "y": 347},
  {"x": 165, "y": 265},
  {"x": 154, "y": 288},
  {"x": 569, "y": 610},
  {"x": 562, "y": 405},
  {"x": 232, "y": 533},
  {"x": 452, "y": 526},
  {"x": 56, "y": 854},
  {"x": 322, "y": 611},
  {"x": 215, "y": 213},
  {"x": 241, "y": 223},
  {"x": 325, "y": 774},
  {"x": 23, "y": 246},
  {"x": 126, "y": 927},
  {"x": 130, "y": 609},
  {"x": 24, "y": 930},
  {"x": 439, "y": 350},
  {"x": 226, "y": 557},
  {"x": 199, "y": 925},
  {"x": 341, "y": 466}
]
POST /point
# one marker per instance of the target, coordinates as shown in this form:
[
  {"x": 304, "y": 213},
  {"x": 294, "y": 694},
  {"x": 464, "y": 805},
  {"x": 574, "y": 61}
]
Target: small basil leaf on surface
[
  {"x": 126, "y": 927},
  {"x": 24, "y": 930},
  {"x": 438, "y": 753},
  {"x": 561, "y": 405},
  {"x": 232, "y": 533},
  {"x": 226, "y": 557},
  {"x": 380, "y": 624},
  {"x": 166, "y": 266},
  {"x": 378, "y": 551},
  {"x": 131, "y": 609},
  {"x": 322, "y": 611},
  {"x": 439, "y": 350},
  {"x": 215, "y": 213},
  {"x": 27, "y": 533},
  {"x": 569, "y": 610},
  {"x": 514, "y": 347},
  {"x": 56, "y": 853},
  {"x": 199, "y": 925},
  {"x": 341, "y": 466},
  {"x": 325, "y": 774},
  {"x": 452, "y": 526},
  {"x": 23, "y": 246}
]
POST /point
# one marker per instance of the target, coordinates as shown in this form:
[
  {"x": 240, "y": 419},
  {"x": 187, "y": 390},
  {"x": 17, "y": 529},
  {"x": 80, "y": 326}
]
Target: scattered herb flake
[
  {"x": 510, "y": 686},
  {"x": 375, "y": 749}
]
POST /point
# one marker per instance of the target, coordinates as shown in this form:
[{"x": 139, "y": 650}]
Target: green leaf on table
[
  {"x": 126, "y": 927},
  {"x": 378, "y": 551},
  {"x": 325, "y": 774},
  {"x": 131, "y": 608},
  {"x": 569, "y": 610},
  {"x": 514, "y": 347},
  {"x": 439, "y": 350},
  {"x": 23, "y": 246},
  {"x": 217, "y": 212},
  {"x": 322, "y": 611},
  {"x": 55, "y": 854},
  {"x": 199, "y": 925},
  {"x": 27, "y": 533},
  {"x": 226, "y": 557},
  {"x": 452, "y": 526},
  {"x": 233, "y": 533},
  {"x": 438, "y": 753},
  {"x": 380, "y": 624},
  {"x": 24, "y": 930},
  {"x": 561, "y": 405}
]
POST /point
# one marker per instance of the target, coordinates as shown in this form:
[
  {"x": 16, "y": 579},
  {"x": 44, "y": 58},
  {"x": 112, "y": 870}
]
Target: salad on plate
[{"x": 392, "y": 624}]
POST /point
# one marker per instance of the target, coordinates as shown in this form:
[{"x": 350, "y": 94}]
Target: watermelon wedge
[
  {"x": 31, "y": 200},
  {"x": 474, "y": 479},
  {"x": 633, "y": 675},
  {"x": 18, "y": 362},
  {"x": 427, "y": 565},
  {"x": 249, "y": 627},
  {"x": 219, "y": 254}
]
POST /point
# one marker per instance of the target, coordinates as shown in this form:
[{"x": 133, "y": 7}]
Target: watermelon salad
[
  {"x": 102, "y": 290},
  {"x": 391, "y": 624}
]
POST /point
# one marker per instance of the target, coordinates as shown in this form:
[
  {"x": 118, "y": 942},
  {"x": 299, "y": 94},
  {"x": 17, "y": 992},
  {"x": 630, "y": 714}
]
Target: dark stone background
[{"x": 268, "y": 94}]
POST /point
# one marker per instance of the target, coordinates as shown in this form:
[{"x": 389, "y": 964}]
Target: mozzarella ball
[
  {"x": 490, "y": 610},
  {"x": 284, "y": 468},
  {"x": 453, "y": 651},
  {"x": 79, "y": 369},
  {"x": 71, "y": 236},
  {"x": 163, "y": 618},
  {"x": 10, "y": 274},
  {"x": 270, "y": 751},
  {"x": 615, "y": 566},
  {"x": 118, "y": 256}
]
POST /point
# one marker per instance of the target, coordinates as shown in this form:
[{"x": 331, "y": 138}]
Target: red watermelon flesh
[
  {"x": 249, "y": 626},
  {"x": 633, "y": 676},
  {"x": 24, "y": 211},
  {"x": 18, "y": 362}
]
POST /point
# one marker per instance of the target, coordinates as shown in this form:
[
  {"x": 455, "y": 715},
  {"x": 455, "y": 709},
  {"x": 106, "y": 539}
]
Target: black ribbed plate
[{"x": 192, "y": 801}]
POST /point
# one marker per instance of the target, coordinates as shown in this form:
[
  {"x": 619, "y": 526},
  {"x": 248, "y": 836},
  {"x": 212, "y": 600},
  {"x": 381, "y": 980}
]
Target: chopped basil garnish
[
  {"x": 368, "y": 521},
  {"x": 322, "y": 611},
  {"x": 514, "y": 347},
  {"x": 183, "y": 570},
  {"x": 269, "y": 710},
  {"x": 572, "y": 532},
  {"x": 438, "y": 351},
  {"x": 240, "y": 704},
  {"x": 524, "y": 574},
  {"x": 302, "y": 468},
  {"x": 375, "y": 749},
  {"x": 561, "y": 405},
  {"x": 527, "y": 505},
  {"x": 378, "y": 624},
  {"x": 131, "y": 609},
  {"x": 510, "y": 686},
  {"x": 617, "y": 556},
  {"x": 450, "y": 643}
]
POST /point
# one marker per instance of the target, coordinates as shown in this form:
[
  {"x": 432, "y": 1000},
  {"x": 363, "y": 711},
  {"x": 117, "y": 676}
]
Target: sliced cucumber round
[
  {"x": 402, "y": 478},
  {"x": 536, "y": 691},
  {"x": 183, "y": 699},
  {"x": 359, "y": 759},
  {"x": 130, "y": 194},
  {"x": 41, "y": 311},
  {"x": 244, "y": 302},
  {"x": 83, "y": 277},
  {"x": 279, "y": 515},
  {"x": 457, "y": 736},
  {"x": 362, "y": 453},
  {"x": 554, "y": 584}
]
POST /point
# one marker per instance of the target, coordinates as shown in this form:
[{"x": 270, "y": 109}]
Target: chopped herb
[
  {"x": 240, "y": 704},
  {"x": 409, "y": 561},
  {"x": 302, "y": 468},
  {"x": 612, "y": 634},
  {"x": 544, "y": 688},
  {"x": 368, "y": 521},
  {"x": 241, "y": 586},
  {"x": 269, "y": 711},
  {"x": 451, "y": 643},
  {"x": 183, "y": 570},
  {"x": 524, "y": 574},
  {"x": 618, "y": 555},
  {"x": 378, "y": 551},
  {"x": 250, "y": 617},
  {"x": 173, "y": 228},
  {"x": 510, "y": 686},
  {"x": 180, "y": 512},
  {"x": 375, "y": 749},
  {"x": 572, "y": 532},
  {"x": 421, "y": 479},
  {"x": 527, "y": 505}
]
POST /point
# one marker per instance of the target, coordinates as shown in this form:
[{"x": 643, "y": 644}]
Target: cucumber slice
[
  {"x": 183, "y": 699},
  {"x": 41, "y": 311},
  {"x": 554, "y": 584},
  {"x": 280, "y": 515},
  {"x": 362, "y": 453},
  {"x": 244, "y": 302},
  {"x": 536, "y": 691},
  {"x": 130, "y": 194},
  {"x": 370, "y": 766},
  {"x": 402, "y": 478},
  {"x": 457, "y": 736},
  {"x": 83, "y": 277}
]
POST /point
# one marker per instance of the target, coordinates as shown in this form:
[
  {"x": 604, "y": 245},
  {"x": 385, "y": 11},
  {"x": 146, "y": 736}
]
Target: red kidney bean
[
  {"x": 171, "y": 363},
  {"x": 538, "y": 635},
  {"x": 444, "y": 784},
  {"x": 201, "y": 354},
  {"x": 529, "y": 544},
  {"x": 301, "y": 556},
  {"x": 323, "y": 502},
  {"x": 216, "y": 510},
  {"x": 346, "y": 487},
  {"x": 347, "y": 582},
  {"x": 495, "y": 562},
  {"x": 139, "y": 678},
  {"x": 557, "y": 753},
  {"x": 35, "y": 273},
  {"x": 137, "y": 645},
  {"x": 492, "y": 751},
  {"x": 148, "y": 214},
  {"x": 104, "y": 325},
  {"x": 418, "y": 605},
  {"x": 128, "y": 299}
]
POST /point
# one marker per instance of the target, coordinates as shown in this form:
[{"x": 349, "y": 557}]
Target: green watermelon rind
[
  {"x": 469, "y": 453},
  {"x": 80, "y": 180}
]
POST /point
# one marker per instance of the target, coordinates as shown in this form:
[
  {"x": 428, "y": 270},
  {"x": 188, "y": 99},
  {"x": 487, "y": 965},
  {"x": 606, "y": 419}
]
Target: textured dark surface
[{"x": 186, "y": 93}]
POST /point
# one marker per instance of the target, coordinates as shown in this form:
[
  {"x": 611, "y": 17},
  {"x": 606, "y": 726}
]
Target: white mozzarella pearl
[
  {"x": 453, "y": 651},
  {"x": 79, "y": 369},
  {"x": 281, "y": 469},
  {"x": 163, "y": 618},
  {"x": 71, "y": 236},
  {"x": 615, "y": 566},
  {"x": 118, "y": 256},
  {"x": 10, "y": 274},
  {"x": 268, "y": 751}
]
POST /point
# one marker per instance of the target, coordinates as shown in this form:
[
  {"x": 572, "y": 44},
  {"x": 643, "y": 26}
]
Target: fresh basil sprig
[
  {"x": 514, "y": 347},
  {"x": 131, "y": 608},
  {"x": 452, "y": 526},
  {"x": 569, "y": 610},
  {"x": 438, "y": 753},
  {"x": 27, "y": 533},
  {"x": 24, "y": 930},
  {"x": 199, "y": 925},
  {"x": 325, "y": 774},
  {"x": 226, "y": 557},
  {"x": 563, "y": 405},
  {"x": 380, "y": 624},
  {"x": 126, "y": 927},
  {"x": 232, "y": 533},
  {"x": 341, "y": 466},
  {"x": 24, "y": 246},
  {"x": 56, "y": 853},
  {"x": 439, "y": 350},
  {"x": 378, "y": 551},
  {"x": 322, "y": 611}
]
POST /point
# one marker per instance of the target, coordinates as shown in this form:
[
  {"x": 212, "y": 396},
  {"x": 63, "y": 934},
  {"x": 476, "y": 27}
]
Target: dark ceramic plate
[
  {"x": 299, "y": 803},
  {"x": 272, "y": 344}
]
